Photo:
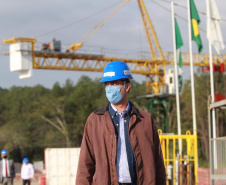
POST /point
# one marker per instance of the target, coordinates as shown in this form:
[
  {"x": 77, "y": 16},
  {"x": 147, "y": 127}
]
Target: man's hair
[{"x": 126, "y": 80}]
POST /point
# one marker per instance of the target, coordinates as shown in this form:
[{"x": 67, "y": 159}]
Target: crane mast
[{"x": 153, "y": 82}]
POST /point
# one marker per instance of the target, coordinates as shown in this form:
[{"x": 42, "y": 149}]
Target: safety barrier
[{"x": 180, "y": 158}]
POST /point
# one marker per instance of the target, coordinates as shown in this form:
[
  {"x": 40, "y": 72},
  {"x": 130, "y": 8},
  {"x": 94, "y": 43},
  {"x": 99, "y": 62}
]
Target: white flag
[{"x": 214, "y": 29}]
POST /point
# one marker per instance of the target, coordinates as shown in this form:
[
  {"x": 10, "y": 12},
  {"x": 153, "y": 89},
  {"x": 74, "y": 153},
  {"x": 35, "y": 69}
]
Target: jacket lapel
[
  {"x": 134, "y": 116},
  {"x": 108, "y": 121}
]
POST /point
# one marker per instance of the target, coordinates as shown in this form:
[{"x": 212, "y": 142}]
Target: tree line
[{"x": 35, "y": 118}]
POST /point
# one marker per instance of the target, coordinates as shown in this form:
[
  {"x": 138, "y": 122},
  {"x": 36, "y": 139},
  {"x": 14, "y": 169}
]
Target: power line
[
  {"x": 73, "y": 23},
  {"x": 167, "y": 9},
  {"x": 176, "y": 4}
]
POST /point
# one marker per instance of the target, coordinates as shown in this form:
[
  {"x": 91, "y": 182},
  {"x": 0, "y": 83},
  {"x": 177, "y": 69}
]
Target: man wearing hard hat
[
  {"x": 27, "y": 171},
  {"x": 120, "y": 143},
  {"x": 7, "y": 169}
]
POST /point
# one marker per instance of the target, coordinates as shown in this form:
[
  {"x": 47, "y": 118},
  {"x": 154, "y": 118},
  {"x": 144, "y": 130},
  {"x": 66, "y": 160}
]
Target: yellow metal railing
[{"x": 180, "y": 158}]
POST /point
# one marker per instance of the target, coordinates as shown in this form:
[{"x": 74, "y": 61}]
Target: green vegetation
[{"x": 34, "y": 118}]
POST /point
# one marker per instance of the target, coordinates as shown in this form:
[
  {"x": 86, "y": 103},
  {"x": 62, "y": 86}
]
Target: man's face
[
  {"x": 4, "y": 156},
  {"x": 115, "y": 83},
  {"x": 118, "y": 83}
]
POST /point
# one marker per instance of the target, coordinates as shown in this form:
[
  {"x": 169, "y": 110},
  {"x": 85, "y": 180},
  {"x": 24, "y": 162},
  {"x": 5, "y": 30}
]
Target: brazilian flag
[{"x": 195, "y": 20}]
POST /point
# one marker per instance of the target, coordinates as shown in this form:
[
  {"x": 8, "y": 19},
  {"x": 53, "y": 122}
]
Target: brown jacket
[{"x": 97, "y": 161}]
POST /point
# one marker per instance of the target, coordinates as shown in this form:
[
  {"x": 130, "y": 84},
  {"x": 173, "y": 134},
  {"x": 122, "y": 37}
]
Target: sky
[{"x": 69, "y": 20}]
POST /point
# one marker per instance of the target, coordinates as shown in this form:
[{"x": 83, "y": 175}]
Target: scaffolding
[{"x": 217, "y": 147}]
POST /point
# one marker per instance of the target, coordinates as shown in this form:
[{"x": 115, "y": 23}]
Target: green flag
[
  {"x": 179, "y": 42},
  {"x": 195, "y": 20}
]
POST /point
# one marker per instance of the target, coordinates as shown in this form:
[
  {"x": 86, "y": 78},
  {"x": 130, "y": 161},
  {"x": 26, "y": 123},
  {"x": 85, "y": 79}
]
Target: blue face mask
[{"x": 113, "y": 94}]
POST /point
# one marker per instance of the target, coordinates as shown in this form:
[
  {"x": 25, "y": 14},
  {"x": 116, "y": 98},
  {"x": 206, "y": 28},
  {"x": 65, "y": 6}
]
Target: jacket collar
[{"x": 104, "y": 109}]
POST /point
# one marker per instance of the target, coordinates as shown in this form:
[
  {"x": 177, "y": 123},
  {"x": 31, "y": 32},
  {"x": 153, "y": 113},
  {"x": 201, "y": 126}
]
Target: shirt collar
[{"x": 113, "y": 110}]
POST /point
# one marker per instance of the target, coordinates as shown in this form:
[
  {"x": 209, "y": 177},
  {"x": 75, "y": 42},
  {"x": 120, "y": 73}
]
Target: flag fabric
[
  {"x": 179, "y": 42},
  {"x": 195, "y": 20},
  {"x": 214, "y": 34}
]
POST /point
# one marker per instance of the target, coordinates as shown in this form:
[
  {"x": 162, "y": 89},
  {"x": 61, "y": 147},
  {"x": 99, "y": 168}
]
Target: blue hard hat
[
  {"x": 4, "y": 152},
  {"x": 115, "y": 71},
  {"x": 25, "y": 160}
]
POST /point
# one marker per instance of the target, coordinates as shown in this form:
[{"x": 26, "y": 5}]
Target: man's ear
[{"x": 128, "y": 86}]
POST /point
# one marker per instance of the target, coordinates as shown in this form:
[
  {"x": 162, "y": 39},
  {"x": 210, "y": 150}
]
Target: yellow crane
[{"x": 154, "y": 68}]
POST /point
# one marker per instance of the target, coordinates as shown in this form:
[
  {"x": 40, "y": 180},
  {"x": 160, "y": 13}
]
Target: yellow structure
[
  {"x": 180, "y": 161},
  {"x": 154, "y": 69}
]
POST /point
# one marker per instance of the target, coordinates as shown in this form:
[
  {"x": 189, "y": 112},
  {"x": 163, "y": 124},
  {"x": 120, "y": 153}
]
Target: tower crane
[
  {"x": 154, "y": 68},
  {"x": 24, "y": 57}
]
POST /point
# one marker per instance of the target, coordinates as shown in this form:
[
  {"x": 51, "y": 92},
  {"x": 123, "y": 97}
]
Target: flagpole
[
  {"x": 191, "y": 71},
  {"x": 211, "y": 80},
  {"x": 210, "y": 55},
  {"x": 176, "y": 77},
  {"x": 177, "y": 94}
]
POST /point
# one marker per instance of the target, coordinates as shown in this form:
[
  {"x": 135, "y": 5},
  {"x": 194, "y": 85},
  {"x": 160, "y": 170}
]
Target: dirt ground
[
  {"x": 19, "y": 182},
  {"x": 35, "y": 181}
]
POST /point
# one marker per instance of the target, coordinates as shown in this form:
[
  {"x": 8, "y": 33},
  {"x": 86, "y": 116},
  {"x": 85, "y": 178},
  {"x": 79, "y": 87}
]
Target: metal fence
[
  {"x": 180, "y": 158},
  {"x": 217, "y": 147}
]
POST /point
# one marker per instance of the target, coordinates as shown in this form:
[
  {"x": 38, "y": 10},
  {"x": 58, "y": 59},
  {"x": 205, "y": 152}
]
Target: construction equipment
[
  {"x": 181, "y": 168},
  {"x": 154, "y": 68},
  {"x": 24, "y": 58},
  {"x": 158, "y": 105}
]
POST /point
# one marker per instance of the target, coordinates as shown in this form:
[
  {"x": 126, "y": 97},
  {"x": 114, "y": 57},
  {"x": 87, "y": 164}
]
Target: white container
[
  {"x": 20, "y": 56},
  {"x": 61, "y": 165}
]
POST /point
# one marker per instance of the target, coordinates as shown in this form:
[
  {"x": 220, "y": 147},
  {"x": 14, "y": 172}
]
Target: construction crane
[
  {"x": 23, "y": 51},
  {"x": 154, "y": 68}
]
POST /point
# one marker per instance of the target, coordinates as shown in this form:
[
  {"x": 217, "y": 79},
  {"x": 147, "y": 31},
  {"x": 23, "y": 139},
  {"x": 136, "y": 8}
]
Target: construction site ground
[
  {"x": 203, "y": 178},
  {"x": 35, "y": 180}
]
